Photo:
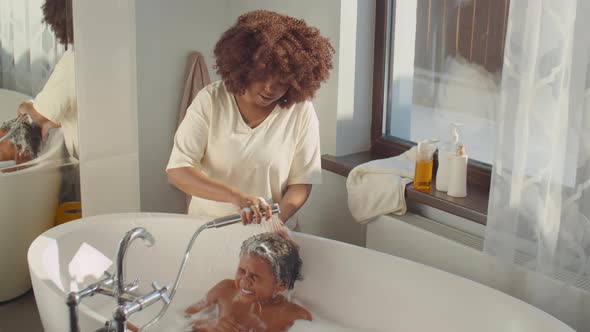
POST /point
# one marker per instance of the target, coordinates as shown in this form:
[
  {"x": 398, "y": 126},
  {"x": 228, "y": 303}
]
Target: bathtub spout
[{"x": 121, "y": 289}]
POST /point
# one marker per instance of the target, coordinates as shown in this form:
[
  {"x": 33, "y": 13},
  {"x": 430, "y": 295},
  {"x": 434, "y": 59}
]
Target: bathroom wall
[
  {"x": 355, "y": 79},
  {"x": 167, "y": 31},
  {"x": 106, "y": 85},
  {"x": 326, "y": 212}
]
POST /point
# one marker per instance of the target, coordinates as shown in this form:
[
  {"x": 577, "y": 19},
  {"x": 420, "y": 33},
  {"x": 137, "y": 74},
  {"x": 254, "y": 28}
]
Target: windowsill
[{"x": 473, "y": 207}]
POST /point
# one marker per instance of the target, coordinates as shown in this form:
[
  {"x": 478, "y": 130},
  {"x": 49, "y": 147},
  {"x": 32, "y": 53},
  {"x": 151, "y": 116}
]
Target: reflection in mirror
[{"x": 39, "y": 177}]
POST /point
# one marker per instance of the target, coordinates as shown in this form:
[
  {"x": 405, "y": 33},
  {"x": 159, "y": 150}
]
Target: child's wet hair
[
  {"x": 282, "y": 256},
  {"x": 25, "y": 137}
]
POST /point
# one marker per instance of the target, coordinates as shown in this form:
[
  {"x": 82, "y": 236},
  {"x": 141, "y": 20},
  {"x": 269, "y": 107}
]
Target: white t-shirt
[
  {"x": 283, "y": 150},
  {"x": 57, "y": 100}
]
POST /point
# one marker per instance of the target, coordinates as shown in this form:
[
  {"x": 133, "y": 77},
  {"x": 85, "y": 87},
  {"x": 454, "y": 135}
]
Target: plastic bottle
[
  {"x": 444, "y": 157},
  {"x": 458, "y": 173},
  {"x": 424, "y": 163}
]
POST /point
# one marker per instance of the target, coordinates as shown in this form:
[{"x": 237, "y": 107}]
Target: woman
[
  {"x": 56, "y": 104},
  {"x": 253, "y": 137}
]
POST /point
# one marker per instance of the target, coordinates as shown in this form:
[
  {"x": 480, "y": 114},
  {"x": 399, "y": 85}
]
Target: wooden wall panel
[
  {"x": 465, "y": 26},
  {"x": 475, "y": 29},
  {"x": 497, "y": 35},
  {"x": 481, "y": 27},
  {"x": 450, "y": 30}
]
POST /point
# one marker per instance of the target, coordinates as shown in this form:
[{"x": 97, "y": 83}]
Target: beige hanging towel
[{"x": 196, "y": 78}]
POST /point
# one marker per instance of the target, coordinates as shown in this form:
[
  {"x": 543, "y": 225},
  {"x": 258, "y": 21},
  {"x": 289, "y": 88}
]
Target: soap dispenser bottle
[
  {"x": 458, "y": 176},
  {"x": 424, "y": 163},
  {"x": 444, "y": 159}
]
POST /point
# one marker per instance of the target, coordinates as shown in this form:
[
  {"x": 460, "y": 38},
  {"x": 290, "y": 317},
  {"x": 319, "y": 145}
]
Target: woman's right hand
[
  {"x": 27, "y": 108},
  {"x": 250, "y": 207}
]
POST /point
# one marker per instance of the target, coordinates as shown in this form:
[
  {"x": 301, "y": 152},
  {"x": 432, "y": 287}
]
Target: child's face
[
  {"x": 255, "y": 280},
  {"x": 7, "y": 150}
]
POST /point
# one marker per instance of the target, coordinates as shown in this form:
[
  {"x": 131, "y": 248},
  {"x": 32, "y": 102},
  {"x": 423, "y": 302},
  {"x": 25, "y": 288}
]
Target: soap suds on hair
[
  {"x": 26, "y": 137},
  {"x": 281, "y": 254}
]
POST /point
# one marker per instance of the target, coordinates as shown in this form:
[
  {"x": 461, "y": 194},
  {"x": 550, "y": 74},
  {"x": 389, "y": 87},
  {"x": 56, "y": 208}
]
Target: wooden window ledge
[{"x": 473, "y": 207}]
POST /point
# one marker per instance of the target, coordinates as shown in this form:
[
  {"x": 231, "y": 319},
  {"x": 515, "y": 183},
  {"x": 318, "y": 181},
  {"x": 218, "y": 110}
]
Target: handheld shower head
[{"x": 235, "y": 218}]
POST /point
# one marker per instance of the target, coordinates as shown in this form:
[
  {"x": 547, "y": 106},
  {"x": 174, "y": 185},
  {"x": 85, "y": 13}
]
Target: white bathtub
[
  {"x": 350, "y": 285},
  {"x": 28, "y": 199}
]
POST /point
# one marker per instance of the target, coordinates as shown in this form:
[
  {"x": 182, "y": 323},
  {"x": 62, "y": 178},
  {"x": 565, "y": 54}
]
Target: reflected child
[{"x": 22, "y": 143}]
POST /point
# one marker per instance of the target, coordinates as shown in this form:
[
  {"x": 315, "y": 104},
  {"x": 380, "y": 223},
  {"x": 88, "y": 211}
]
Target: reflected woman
[{"x": 56, "y": 105}]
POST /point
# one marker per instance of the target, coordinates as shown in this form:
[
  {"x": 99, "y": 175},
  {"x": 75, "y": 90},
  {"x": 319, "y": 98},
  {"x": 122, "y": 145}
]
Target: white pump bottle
[{"x": 444, "y": 158}]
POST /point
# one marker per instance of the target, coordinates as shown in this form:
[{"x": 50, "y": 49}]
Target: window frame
[{"x": 478, "y": 173}]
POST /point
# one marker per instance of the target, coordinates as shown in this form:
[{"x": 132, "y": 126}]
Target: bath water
[
  {"x": 181, "y": 324},
  {"x": 175, "y": 321},
  {"x": 322, "y": 325}
]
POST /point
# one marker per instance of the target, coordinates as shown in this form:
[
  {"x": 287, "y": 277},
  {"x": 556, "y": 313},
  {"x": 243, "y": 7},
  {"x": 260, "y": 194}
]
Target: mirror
[{"x": 39, "y": 178}]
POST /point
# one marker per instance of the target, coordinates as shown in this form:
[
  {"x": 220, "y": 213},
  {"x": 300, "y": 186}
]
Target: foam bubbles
[{"x": 175, "y": 321}]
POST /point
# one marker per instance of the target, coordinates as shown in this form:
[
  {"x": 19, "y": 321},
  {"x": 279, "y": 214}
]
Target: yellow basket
[{"x": 67, "y": 212}]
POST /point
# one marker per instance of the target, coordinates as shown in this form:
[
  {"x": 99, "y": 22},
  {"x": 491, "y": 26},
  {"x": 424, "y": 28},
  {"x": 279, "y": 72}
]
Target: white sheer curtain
[
  {"x": 540, "y": 201},
  {"x": 28, "y": 48}
]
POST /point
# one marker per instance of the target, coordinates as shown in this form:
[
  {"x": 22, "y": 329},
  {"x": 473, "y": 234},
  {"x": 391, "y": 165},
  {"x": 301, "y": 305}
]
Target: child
[
  {"x": 22, "y": 144},
  {"x": 269, "y": 264}
]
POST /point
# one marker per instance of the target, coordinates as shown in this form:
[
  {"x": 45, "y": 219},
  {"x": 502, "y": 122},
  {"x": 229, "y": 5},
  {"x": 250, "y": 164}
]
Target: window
[{"x": 438, "y": 62}]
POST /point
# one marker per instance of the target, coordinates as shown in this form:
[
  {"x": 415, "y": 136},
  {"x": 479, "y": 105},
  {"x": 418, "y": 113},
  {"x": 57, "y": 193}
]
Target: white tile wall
[{"x": 107, "y": 105}]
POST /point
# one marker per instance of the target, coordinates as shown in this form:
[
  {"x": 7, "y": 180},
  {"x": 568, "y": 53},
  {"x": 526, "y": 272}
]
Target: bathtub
[
  {"x": 28, "y": 199},
  {"x": 352, "y": 286}
]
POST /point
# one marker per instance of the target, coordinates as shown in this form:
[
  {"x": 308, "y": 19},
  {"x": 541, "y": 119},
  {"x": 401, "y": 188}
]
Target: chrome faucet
[
  {"x": 128, "y": 302},
  {"x": 121, "y": 289}
]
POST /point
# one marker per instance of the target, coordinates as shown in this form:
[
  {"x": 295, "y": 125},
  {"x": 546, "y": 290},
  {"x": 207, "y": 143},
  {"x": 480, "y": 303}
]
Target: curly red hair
[
  {"x": 58, "y": 15},
  {"x": 264, "y": 44}
]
